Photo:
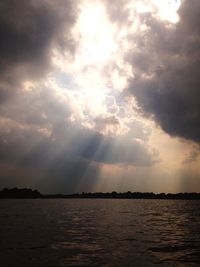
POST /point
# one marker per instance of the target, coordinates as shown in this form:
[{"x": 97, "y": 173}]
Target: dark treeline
[
  {"x": 138, "y": 195},
  {"x": 29, "y": 193},
  {"x": 19, "y": 193}
]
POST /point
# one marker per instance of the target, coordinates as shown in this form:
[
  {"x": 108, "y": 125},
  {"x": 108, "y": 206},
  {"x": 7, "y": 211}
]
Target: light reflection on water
[{"x": 91, "y": 232}]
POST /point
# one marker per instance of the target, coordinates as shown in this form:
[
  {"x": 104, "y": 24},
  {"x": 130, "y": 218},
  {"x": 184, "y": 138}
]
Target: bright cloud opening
[
  {"x": 168, "y": 9},
  {"x": 96, "y": 34}
]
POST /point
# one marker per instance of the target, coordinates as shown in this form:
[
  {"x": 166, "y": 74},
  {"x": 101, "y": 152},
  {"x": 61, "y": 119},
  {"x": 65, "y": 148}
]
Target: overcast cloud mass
[{"x": 97, "y": 96}]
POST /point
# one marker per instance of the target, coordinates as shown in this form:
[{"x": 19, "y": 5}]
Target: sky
[{"x": 100, "y": 96}]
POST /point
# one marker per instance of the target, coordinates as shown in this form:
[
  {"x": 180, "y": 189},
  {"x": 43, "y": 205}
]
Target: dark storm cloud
[
  {"x": 166, "y": 64},
  {"x": 28, "y": 30}
]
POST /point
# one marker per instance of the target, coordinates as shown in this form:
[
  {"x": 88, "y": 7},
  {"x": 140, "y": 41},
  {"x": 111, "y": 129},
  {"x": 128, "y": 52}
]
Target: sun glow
[
  {"x": 97, "y": 48},
  {"x": 168, "y": 9},
  {"x": 165, "y": 9},
  {"x": 96, "y": 34}
]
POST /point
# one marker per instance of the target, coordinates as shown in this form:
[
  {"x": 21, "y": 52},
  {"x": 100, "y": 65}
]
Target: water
[{"x": 91, "y": 232}]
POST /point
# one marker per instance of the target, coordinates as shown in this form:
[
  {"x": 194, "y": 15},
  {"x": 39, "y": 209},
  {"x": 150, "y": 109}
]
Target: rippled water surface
[{"x": 91, "y": 232}]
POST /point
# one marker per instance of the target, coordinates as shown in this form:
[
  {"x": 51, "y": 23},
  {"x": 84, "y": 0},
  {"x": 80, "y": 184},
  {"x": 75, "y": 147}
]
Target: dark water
[{"x": 101, "y": 232}]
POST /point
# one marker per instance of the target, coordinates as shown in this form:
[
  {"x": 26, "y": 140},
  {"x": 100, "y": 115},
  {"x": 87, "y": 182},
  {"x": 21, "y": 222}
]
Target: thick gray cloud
[
  {"x": 166, "y": 63},
  {"x": 28, "y": 31}
]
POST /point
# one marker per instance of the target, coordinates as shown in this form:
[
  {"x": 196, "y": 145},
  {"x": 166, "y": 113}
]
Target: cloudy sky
[{"x": 100, "y": 96}]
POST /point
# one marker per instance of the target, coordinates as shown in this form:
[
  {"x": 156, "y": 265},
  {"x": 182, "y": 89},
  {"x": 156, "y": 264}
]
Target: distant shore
[{"x": 26, "y": 193}]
